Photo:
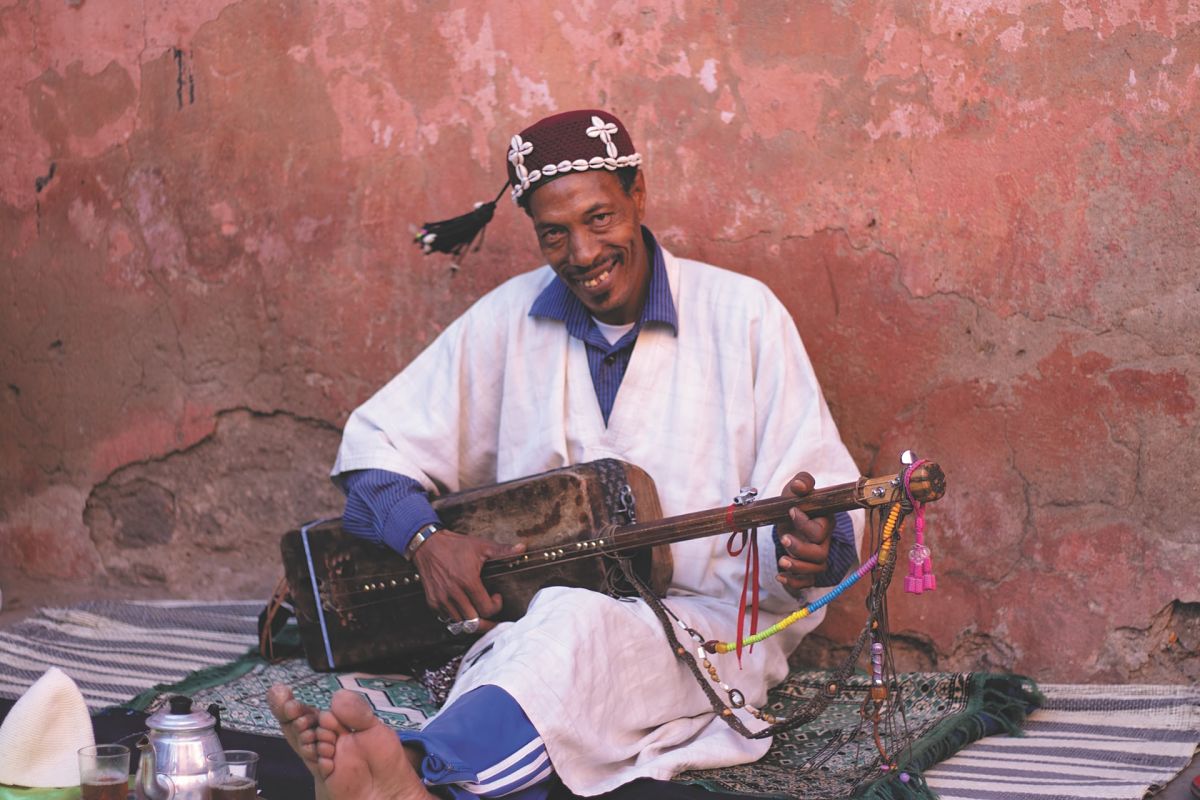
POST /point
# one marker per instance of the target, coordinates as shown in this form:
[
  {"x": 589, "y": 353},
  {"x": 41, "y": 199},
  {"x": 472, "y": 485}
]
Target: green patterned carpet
[{"x": 834, "y": 756}]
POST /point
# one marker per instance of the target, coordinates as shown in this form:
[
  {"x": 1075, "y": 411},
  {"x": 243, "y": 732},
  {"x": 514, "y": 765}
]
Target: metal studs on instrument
[{"x": 879, "y": 491}]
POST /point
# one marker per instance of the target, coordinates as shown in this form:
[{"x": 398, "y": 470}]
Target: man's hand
[
  {"x": 806, "y": 541},
  {"x": 450, "y": 564}
]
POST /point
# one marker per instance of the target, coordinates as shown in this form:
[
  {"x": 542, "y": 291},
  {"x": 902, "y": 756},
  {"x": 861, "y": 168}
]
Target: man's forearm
[{"x": 385, "y": 507}]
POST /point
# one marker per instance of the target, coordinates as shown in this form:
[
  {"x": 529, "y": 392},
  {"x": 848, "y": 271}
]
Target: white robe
[{"x": 731, "y": 401}]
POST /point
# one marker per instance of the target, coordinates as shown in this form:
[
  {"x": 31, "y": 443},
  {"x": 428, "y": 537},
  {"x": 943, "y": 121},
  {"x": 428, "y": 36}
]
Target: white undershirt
[{"x": 613, "y": 333}]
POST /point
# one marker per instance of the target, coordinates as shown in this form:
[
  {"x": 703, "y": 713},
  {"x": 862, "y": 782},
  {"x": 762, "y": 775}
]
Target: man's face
[{"x": 590, "y": 232}]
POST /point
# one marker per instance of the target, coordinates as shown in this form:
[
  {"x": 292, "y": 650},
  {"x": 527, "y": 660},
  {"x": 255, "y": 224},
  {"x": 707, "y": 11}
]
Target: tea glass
[
  {"x": 232, "y": 775},
  {"x": 104, "y": 772}
]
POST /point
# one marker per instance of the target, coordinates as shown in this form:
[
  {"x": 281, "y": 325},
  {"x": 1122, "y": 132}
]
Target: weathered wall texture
[{"x": 983, "y": 214}]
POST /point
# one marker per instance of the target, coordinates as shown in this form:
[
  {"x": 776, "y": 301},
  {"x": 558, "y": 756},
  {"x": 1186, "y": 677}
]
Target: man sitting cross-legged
[{"x": 616, "y": 349}]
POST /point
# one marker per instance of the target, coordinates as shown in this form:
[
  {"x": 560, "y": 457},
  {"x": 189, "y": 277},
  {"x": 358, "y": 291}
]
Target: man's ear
[{"x": 638, "y": 192}]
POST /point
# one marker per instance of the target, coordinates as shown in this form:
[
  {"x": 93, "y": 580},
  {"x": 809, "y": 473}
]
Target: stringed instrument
[{"x": 357, "y": 602}]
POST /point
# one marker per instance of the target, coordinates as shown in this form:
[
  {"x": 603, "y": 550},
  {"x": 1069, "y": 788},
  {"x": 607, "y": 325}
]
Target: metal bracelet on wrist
[{"x": 418, "y": 539}]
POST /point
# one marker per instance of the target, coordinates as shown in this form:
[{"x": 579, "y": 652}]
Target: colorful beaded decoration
[
  {"x": 878, "y": 708},
  {"x": 887, "y": 541},
  {"x": 737, "y": 698}
]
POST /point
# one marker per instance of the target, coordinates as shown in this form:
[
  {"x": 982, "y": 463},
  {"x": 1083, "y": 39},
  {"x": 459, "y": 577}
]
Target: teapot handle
[
  {"x": 149, "y": 783},
  {"x": 164, "y": 788}
]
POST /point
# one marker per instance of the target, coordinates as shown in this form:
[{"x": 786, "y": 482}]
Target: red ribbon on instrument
[{"x": 749, "y": 543}]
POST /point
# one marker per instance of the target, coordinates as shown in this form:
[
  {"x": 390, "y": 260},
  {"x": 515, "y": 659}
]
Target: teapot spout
[{"x": 149, "y": 785}]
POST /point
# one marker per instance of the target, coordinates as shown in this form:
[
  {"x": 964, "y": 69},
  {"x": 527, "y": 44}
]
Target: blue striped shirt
[
  {"x": 389, "y": 508},
  {"x": 608, "y": 362}
]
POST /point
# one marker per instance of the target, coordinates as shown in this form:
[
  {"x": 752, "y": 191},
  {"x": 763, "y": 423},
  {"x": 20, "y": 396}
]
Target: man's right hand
[{"x": 450, "y": 565}]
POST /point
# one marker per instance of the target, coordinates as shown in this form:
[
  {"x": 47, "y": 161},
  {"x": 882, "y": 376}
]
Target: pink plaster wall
[{"x": 983, "y": 215}]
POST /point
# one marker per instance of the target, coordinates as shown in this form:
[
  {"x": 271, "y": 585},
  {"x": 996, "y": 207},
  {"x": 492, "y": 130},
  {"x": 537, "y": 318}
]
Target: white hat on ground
[{"x": 43, "y": 732}]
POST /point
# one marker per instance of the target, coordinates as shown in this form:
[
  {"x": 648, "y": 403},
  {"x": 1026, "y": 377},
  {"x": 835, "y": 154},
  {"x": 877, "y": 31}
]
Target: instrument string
[{"x": 391, "y": 584}]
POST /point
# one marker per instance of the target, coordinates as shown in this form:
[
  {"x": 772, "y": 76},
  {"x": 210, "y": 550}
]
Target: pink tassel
[
  {"x": 928, "y": 579},
  {"x": 920, "y": 566},
  {"x": 914, "y": 582}
]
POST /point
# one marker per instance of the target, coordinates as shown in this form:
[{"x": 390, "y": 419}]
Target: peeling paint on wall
[{"x": 983, "y": 215}]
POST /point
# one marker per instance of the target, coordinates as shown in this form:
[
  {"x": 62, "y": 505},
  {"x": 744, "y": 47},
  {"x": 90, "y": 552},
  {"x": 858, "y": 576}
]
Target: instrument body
[
  {"x": 359, "y": 603},
  {"x": 372, "y": 607}
]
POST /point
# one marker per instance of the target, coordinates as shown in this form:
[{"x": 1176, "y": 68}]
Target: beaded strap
[{"x": 884, "y": 561}]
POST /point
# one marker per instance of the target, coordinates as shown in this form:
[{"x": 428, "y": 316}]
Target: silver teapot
[{"x": 172, "y": 763}]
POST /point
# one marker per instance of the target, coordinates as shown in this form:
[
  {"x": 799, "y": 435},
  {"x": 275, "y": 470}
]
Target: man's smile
[
  {"x": 599, "y": 276},
  {"x": 596, "y": 281}
]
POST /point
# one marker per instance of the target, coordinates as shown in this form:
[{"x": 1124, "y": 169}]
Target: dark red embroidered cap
[{"x": 574, "y": 141}]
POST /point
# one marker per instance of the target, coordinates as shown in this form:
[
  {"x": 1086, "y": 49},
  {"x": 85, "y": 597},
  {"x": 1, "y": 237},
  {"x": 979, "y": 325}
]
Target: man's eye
[
  {"x": 551, "y": 236},
  {"x": 602, "y": 219}
]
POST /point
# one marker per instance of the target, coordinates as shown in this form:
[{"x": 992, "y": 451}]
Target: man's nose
[{"x": 584, "y": 248}]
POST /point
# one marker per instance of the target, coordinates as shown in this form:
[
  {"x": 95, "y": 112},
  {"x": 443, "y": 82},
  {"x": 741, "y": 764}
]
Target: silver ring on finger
[
  {"x": 470, "y": 625},
  {"x": 455, "y": 628}
]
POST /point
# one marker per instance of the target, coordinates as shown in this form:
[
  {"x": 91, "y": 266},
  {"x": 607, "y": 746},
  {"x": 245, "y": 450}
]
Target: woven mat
[
  {"x": 1085, "y": 741},
  {"x": 115, "y": 650}
]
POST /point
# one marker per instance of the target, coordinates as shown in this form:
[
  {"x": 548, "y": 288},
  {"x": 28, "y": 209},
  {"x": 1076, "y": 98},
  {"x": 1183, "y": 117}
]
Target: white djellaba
[{"x": 730, "y": 401}]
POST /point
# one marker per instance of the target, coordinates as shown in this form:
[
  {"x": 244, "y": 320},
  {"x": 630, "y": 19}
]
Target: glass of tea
[
  {"x": 233, "y": 775},
  {"x": 104, "y": 772}
]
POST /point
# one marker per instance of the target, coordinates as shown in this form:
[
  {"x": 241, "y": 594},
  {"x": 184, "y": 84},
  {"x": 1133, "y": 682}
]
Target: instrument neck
[{"x": 624, "y": 539}]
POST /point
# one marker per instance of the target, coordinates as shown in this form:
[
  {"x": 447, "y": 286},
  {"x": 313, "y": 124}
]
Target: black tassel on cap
[{"x": 458, "y": 233}]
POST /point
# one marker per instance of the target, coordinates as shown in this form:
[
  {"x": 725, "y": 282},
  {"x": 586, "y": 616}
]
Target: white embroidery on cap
[
  {"x": 604, "y": 132},
  {"x": 580, "y": 165},
  {"x": 599, "y": 129},
  {"x": 516, "y": 154}
]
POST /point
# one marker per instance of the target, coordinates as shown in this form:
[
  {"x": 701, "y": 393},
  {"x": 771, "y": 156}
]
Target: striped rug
[
  {"x": 1085, "y": 742},
  {"x": 116, "y": 650}
]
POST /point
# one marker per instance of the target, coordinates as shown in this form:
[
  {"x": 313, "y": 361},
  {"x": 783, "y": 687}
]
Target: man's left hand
[{"x": 806, "y": 541}]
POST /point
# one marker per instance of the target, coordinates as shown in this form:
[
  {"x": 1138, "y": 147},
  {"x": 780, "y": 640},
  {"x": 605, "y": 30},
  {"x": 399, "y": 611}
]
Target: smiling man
[{"x": 614, "y": 349}]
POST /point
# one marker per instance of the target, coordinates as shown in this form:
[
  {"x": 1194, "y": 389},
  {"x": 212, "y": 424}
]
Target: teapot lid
[{"x": 178, "y": 716}]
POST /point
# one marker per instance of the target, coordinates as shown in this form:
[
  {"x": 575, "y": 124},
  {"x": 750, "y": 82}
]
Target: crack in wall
[
  {"x": 1028, "y": 525},
  {"x": 871, "y": 245},
  {"x": 185, "y": 81},
  {"x": 217, "y": 417},
  {"x": 42, "y": 180}
]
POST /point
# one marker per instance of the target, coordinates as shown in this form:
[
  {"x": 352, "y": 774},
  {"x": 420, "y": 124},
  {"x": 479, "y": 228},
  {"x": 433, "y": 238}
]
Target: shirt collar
[{"x": 558, "y": 302}]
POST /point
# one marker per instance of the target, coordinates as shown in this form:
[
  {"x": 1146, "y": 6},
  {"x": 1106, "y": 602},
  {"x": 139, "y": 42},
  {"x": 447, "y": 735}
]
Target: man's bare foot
[
  {"x": 299, "y": 725},
  {"x": 367, "y": 761}
]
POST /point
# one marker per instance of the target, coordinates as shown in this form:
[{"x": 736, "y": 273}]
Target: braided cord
[{"x": 886, "y": 543}]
